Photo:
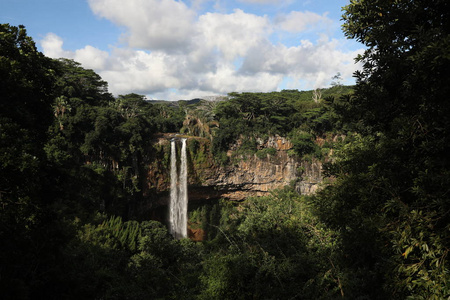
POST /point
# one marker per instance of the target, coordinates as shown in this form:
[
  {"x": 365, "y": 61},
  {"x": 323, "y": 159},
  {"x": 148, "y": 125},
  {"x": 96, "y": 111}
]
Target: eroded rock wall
[
  {"x": 246, "y": 175},
  {"x": 251, "y": 175}
]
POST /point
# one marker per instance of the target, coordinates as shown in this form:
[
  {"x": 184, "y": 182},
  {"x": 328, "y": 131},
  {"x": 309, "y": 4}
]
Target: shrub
[
  {"x": 266, "y": 151},
  {"x": 303, "y": 143}
]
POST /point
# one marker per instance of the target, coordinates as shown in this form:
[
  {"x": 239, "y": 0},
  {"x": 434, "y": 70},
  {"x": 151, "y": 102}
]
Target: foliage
[
  {"x": 101, "y": 142},
  {"x": 380, "y": 230},
  {"x": 303, "y": 143},
  {"x": 25, "y": 113},
  {"x": 392, "y": 179},
  {"x": 263, "y": 153},
  {"x": 247, "y": 116},
  {"x": 200, "y": 119},
  {"x": 275, "y": 249},
  {"x": 87, "y": 157},
  {"x": 107, "y": 264},
  {"x": 29, "y": 232}
]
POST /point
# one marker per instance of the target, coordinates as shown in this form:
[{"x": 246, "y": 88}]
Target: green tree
[
  {"x": 82, "y": 86},
  {"x": 393, "y": 177},
  {"x": 25, "y": 111},
  {"x": 336, "y": 80},
  {"x": 271, "y": 247},
  {"x": 31, "y": 234}
]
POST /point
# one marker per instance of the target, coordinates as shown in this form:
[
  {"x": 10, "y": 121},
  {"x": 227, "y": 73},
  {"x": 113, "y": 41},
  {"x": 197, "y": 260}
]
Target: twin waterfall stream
[{"x": 178, "y": 192}]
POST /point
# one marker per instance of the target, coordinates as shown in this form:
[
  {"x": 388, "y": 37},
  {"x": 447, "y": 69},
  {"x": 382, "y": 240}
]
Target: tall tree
[
  {"x": 393, "y": 178},
  {"x": 28, "y": 233},
  {"x": 25, "y": 107}
]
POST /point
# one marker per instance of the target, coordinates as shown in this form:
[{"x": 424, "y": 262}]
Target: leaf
[{"x": 408, "y": 250}]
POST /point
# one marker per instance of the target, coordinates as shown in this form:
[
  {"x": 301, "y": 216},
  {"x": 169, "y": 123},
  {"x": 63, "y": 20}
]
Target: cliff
[{"x": 272, "y": 166}]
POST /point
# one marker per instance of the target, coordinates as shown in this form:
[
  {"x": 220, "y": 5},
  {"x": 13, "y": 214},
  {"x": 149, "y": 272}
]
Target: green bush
[
  {"x": 266, "y": 151},
  {"x": 221, "y": 158},
  {"x": 303, "y": 143}
]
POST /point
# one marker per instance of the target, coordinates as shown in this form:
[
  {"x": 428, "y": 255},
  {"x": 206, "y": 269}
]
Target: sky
[{"x": 167, "y": 49}]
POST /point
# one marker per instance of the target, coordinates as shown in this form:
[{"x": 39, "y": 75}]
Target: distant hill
[{"x": 175, "y": 103}]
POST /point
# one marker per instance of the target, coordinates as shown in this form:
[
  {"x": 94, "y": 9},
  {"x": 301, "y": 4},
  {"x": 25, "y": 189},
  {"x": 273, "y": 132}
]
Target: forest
[{"x": 73, "y": 161}]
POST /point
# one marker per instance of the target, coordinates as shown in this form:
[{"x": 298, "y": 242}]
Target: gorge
[
  {"x": 94, "y": 187},
  {"x": 245, "y": 176}
]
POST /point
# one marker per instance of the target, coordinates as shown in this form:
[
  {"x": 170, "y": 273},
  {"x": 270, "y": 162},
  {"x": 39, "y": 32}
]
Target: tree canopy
[
  {"x": 73, "y": 168},
  {"x": 393, "y": 177}
]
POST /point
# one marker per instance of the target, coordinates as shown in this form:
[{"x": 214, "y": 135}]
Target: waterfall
[
  {"x": 183, "y": 195},
  {"x": 178, "y": 192},
  {"x": 173, "y": 188}
]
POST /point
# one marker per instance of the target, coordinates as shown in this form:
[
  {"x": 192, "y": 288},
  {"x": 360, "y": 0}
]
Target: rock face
[
  {"x": 254, "y": 176},
  {"x": 311, "y": 177},
  {"x": 246, "y": 175}
]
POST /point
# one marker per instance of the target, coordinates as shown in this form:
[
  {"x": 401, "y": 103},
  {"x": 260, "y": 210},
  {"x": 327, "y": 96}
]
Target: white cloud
[
  {"x": 232, "y": 34},
  {"x": 52, "y": 45},
  {"x": 143, "y": 72},
  {"x": 312, "y": 63},
  {"x": 297, "y": 21},
  {"x": 172, "y": 53},
  {"x": 227, "y": 79},
  {"x": 90, "y": 57},
  {"x": 151, "y": 24},
  {"x": 197, "y": 4}
]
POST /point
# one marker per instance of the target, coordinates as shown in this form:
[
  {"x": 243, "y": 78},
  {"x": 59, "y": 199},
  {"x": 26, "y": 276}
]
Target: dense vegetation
[
  {"x": 300, "y": 115},
  {"x": 72, "y": 163}
]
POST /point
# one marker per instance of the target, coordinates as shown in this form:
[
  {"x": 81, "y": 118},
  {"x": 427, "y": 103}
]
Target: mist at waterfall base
[{"x": 178, "y": 191}]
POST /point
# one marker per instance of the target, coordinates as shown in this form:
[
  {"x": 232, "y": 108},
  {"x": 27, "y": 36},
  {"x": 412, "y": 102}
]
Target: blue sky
[{"x": 169, "y": 49}]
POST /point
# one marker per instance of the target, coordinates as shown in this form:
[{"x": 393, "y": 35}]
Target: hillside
[{"x": 339, "y": 192}]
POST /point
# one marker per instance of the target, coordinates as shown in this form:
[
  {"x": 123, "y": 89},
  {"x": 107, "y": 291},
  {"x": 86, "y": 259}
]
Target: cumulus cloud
[
  {"x": 52, "y": 45},
  {"x": 297, "y": 21},
  {"x": 90, "y": 57},
  {"x": 232, "y": 34},
  {"x": 312, "y": 63},
  {"x": 170, "y": 52},
  {"x": 151, "y": 24}
]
